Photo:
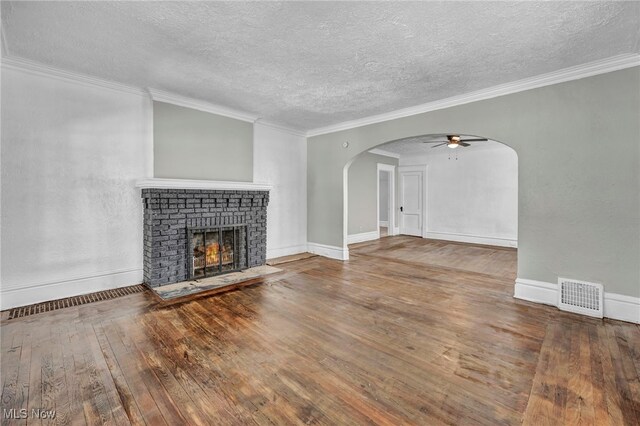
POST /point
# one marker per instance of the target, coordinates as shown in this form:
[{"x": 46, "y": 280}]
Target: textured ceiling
[
  {"x": 312, "y": 64},
  {"x": 423, "y": 145}
]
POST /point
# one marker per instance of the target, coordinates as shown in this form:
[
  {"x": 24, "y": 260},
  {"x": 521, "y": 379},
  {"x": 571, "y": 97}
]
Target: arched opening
[{"x": 467, "y": 193}]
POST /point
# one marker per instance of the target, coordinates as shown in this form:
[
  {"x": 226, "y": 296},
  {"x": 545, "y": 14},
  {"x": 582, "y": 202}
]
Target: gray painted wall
[
  {"x": 192, "y": 144},
  {"x": 578, "y": 146},
  {"x": 363, "y": 176}
]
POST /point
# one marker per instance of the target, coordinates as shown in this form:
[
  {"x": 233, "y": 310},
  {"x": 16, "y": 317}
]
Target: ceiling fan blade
[
  {"x": 443, "y": 143},
  {"x": 474, "y": 140},
  {"x": 464, "y": 144},
  {"x": 435, "y": 141}
]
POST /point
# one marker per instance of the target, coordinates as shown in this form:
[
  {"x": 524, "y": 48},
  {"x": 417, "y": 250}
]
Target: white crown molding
[
  {"x": 25, "y": 65},
  {"x": 290, "y": 130},
  {"x": 379, "y": 151},
  {"x": 602, "y": 66},
  {"x": 159, "y": 183},
  {"x": 183, "y": 101},
  {"x": 33, "y": 67}
]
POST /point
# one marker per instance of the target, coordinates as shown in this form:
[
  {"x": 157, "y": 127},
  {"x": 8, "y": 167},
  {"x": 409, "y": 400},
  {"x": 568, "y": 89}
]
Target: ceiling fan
[{"x": 453, "y": 141}]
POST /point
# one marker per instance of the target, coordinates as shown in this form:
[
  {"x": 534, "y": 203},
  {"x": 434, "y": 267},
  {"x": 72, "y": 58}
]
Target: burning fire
[{"x": 212, "y": 255}]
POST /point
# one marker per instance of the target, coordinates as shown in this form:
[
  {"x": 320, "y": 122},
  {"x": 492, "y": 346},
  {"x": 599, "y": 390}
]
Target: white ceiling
[
  {"x": 313, "y": 64},
  {"x": 423, "y": 145}
]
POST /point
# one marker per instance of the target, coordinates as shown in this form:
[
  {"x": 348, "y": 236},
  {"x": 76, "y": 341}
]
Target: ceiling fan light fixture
[{"x": 454, "y": 141}]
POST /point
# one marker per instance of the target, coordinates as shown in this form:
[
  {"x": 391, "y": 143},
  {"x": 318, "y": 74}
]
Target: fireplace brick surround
[{"x": 170, "y": 213}]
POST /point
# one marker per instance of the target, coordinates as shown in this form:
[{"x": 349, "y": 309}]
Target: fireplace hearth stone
[{"x": 217, "y": 283}]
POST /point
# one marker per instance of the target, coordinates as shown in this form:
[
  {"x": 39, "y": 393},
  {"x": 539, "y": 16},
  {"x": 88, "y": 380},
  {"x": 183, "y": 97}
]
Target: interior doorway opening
[
  {"x": 460, "y": 188},
  {"x": 386, "y": 200},
  {"x": 370, "y": 198},
  {"x": 383, "y": 202}
]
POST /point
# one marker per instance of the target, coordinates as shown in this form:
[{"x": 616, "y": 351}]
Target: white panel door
[{"x": 411, "y": 194}]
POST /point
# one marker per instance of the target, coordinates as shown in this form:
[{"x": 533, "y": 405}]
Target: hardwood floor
[{"x": 409, "y": 331}]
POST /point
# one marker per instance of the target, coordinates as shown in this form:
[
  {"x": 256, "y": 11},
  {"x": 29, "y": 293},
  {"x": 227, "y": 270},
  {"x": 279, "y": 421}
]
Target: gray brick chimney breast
[{"x": 169, "y": 213}]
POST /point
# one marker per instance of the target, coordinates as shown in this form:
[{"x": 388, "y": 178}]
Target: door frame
[
  {"x": 392, "y": 198},
  {"x": 419, "y": 168}
]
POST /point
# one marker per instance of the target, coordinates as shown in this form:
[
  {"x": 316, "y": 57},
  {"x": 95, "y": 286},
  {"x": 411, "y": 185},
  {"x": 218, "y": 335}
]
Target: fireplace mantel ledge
[{"x": 200, "y": 184}]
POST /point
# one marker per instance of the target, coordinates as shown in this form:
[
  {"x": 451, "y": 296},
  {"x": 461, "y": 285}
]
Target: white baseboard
[
  {"x": 384, "y": 223},
  {"x": 286, "y": 251},
  {"x": 416, "y": 232},
  {"x": 362, "y": 237},
  {"x": 332, "y": 252},
  {"x": 536, "y": 291},
  {"x": 474, "y": 239},
  {"x": 396, "y": 230},
  {"x": 621, "y": 307},
  {"x": 42, "y": 292},
  {"x": 616, "y": 306}
]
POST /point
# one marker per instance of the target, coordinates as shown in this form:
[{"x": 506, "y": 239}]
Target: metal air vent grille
[
  {"x": 580, "y": 297},
  {"x": 53, "y": 305}
]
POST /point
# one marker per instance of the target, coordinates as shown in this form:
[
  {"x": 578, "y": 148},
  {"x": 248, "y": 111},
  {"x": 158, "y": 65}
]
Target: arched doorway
[{"x": 465, "y": 194}]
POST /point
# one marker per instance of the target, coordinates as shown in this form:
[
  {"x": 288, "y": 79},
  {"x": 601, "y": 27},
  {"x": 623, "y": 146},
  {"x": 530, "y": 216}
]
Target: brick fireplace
[{"x": 194, "y": 233}]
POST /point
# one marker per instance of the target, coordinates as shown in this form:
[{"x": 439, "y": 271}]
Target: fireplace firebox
[{"x": 218, "y": 250}]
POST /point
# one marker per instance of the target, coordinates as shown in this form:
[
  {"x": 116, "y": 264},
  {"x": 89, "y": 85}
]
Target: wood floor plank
[
  {"x": 24, "y": 370},
  {"x": 596, "y": 376},
  {"x": 39, "y": 344},
  {"x": 55, "y": 394},
  {"x": 125, "y": 396},
  {"x": 630, "y": 375},
  {"x": 12, "y": 341},
  {"x": 623, "y": 376},
  {"x": 69, "y": 340},
  {"x": 614, "y": 403},
  {"x": 96, "y": 406},
  {"x": 129, "y": 365}
]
